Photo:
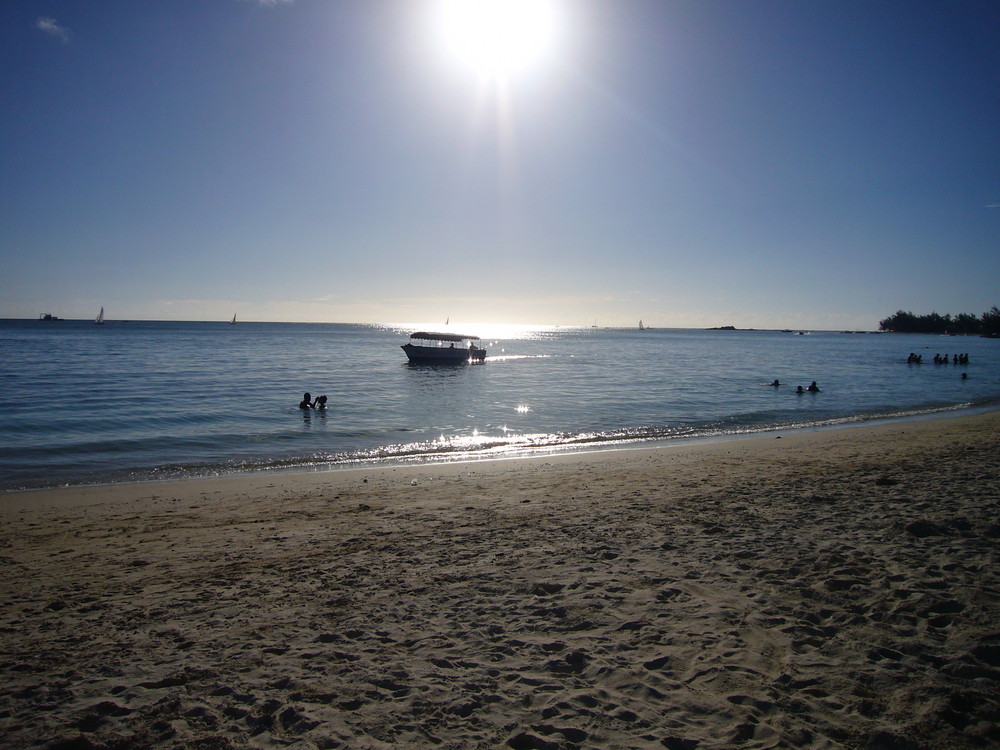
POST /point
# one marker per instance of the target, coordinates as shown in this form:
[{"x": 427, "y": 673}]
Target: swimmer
[
  {"x": 306, "y": 402},
  {"x": 813, "y": 388}
]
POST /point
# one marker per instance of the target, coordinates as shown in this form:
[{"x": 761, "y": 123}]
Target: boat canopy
[{"x": 442, "y": 336}]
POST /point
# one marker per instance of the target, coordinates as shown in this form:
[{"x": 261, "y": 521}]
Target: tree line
[{"x": 988, "y": 324}]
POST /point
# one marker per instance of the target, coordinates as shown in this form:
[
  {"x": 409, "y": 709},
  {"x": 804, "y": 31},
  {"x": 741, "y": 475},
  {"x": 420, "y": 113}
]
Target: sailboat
[
  {"x": 233, "y": 321},
  {"x": 99, "y": 320},
  {"x": 641, "y": 328}
]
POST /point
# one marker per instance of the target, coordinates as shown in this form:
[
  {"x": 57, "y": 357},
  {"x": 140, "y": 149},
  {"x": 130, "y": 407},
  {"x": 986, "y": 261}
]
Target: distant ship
[
  {"x": 47, "y": 317},
  {"x": 99, "y": 320}
]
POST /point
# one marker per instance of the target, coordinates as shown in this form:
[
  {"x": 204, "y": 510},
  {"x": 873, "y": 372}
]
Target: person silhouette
[
  {"x": 306, "y": 402},
  {"x": 320, "y": 403}
]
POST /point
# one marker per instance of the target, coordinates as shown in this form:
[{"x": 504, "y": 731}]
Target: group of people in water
[
  {"x": 939, "y": 359},
  {"x": 308, "y": 403},
  {"x": 811, "y": 388}
]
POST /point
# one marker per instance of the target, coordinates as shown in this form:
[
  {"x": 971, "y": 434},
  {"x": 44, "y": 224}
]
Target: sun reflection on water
[{"x": 490, "y": 333}]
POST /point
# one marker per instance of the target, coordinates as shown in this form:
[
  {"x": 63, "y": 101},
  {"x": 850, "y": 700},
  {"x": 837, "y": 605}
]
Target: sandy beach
[{"x": 835, "y": 589}]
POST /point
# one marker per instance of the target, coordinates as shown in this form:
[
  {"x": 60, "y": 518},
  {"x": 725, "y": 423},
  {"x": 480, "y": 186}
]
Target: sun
[{"x": 497, "y": 38}]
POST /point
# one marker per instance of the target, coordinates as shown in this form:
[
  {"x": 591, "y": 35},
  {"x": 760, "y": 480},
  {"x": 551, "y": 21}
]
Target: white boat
[
  {"x": 443, "y": 348},
  {"x": 99, "y": 320}
]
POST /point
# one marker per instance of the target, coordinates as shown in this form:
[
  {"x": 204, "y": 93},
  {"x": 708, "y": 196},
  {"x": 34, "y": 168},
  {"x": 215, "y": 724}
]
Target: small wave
[{"x": 492, "y": 446}]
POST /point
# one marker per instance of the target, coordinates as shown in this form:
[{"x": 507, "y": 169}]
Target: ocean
[{"x": 138, "y": 401}]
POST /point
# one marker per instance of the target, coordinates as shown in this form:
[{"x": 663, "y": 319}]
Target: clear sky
[{"x": 764, "y": 163}]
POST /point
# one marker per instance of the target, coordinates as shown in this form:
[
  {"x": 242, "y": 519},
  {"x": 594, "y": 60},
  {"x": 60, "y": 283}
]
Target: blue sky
[{"x": 690, "y": 163}]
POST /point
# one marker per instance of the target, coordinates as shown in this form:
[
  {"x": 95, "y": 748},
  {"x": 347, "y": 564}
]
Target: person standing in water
[{"x": 306, "y": 402}]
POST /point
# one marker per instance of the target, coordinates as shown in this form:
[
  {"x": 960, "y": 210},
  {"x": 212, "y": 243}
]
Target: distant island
[{"x": 964, "y": 324}]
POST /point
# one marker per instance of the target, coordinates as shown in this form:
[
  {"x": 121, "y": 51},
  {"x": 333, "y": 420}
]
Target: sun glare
[{"x": 497, "y": 38}]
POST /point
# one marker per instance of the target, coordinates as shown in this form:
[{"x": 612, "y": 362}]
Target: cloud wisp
[{"x": 53, "y": 28}]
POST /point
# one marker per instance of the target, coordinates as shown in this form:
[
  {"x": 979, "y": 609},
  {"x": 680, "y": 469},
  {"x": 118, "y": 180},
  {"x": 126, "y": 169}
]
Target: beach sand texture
[{"x": 833, "y": 589}]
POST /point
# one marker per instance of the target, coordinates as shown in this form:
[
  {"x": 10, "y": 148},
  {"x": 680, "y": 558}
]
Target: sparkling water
[{"x": 82, "y": 403}]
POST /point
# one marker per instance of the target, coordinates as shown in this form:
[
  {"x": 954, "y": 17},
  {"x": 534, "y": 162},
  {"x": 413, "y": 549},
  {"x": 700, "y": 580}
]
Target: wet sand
[{"x": 835, "y": 589}]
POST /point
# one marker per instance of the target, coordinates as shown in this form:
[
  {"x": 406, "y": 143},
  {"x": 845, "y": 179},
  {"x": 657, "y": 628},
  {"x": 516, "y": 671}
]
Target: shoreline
[
  {"x": 812, "y": 589},
  {"x": 528, "y": 454}
]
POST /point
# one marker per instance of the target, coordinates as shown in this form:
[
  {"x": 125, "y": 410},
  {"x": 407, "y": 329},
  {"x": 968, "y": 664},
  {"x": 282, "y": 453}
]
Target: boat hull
[{"x": 443, "y": 354}]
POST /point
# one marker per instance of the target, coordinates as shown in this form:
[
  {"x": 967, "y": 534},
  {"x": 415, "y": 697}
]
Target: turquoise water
[{"x": 143, "y": 400}]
